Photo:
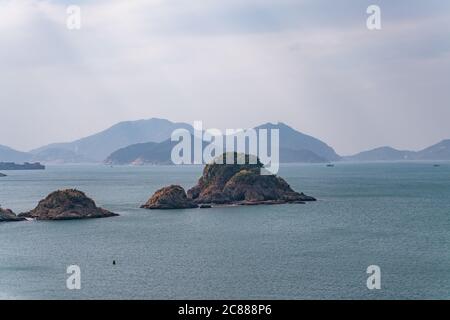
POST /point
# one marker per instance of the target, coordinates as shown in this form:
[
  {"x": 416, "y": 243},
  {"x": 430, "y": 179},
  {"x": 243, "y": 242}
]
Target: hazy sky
[{"x": 230, "y": 63}]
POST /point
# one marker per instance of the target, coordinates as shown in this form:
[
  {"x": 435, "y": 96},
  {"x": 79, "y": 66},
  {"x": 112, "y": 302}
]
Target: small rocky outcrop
[
  {"x": 171, "y": 197},
  {"x": 7, "y": 215},
  {"x": 67, "y": 205},
  {"x": 242, "y": 184}
]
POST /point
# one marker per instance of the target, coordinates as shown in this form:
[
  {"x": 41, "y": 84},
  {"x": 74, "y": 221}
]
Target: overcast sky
[{"x": 312, "y": 64}]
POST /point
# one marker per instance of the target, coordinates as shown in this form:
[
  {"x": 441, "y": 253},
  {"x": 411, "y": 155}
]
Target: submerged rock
[
  {"x": 66, "y": 205},
  {"x": 171, "y": 197},
  {"x": 6, "y": 215}
]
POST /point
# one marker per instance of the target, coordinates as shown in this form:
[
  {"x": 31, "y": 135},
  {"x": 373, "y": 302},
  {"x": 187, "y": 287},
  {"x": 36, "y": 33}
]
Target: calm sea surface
[{"x": 394, "y": 215}]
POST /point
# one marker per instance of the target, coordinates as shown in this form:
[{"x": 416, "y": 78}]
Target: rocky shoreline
[{"x": 229, "y": 184}]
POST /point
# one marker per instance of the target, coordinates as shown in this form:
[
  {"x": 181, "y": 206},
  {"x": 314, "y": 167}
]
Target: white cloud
[{"x": 227, "y": 63}]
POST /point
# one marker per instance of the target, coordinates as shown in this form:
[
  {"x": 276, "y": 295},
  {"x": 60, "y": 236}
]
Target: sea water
[{"x": 393, "y": 215}]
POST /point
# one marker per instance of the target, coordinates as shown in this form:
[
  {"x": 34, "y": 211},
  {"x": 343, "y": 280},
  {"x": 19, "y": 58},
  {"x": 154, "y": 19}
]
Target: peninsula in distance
[{"x": 25, "y": 166}]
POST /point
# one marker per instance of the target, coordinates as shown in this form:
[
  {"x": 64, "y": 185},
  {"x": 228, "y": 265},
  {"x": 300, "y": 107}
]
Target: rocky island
[
  {"x": 67, "y": 205},
  {"x": 7, "y": 215},
  {"x": 229, "y": 184}
]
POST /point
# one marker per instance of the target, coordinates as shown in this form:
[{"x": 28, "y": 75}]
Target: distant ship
[
  {"x": 25, "y": 166},
  {"x": 330, "y": 165}
]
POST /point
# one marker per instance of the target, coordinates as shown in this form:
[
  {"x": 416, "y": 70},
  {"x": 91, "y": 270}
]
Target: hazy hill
[
  {"x": 439, "y": 151},
  {"x": 142, "y": 153},
  {"x": 8, "y": 154},
  {"x": 147, "y": 153},
  {"x": 293, "y": 140},
  {"x": 383, "y": 154},
  {"x": 59, "y": 156},
  {"x": 98, "y": 146}
]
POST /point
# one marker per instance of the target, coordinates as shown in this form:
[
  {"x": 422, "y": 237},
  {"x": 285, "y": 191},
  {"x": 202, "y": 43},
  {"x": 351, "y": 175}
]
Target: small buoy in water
[{"x": 114, "y": 262}]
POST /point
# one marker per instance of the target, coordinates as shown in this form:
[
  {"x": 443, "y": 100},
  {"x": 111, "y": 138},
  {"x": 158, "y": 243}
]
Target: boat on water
[{"x": 330, "y": 165}]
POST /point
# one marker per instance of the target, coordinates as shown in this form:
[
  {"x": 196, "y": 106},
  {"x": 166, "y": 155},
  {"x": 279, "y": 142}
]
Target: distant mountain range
[
  {"x": 294, "y": 147},
  {"x": 97, "y": 147},
  {"x": 148, "y": 142},
  {"x": 439, "y": 151}
]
